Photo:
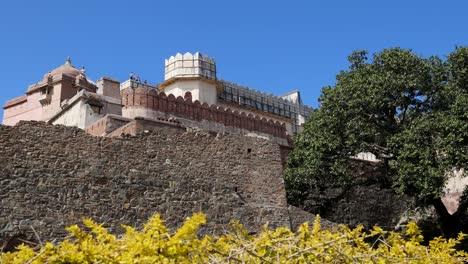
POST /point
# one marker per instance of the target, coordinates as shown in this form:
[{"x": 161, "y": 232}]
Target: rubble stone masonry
[{"x": 53, "y": 176}]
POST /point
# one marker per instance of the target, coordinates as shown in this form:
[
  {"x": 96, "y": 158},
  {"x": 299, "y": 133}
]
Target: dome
[
  {"x": 66, "y": 69},
  {"x": 56, "y": 74}
]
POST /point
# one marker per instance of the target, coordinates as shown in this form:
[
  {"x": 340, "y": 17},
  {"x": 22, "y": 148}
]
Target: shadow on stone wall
[{"x": 369, "y": 201}]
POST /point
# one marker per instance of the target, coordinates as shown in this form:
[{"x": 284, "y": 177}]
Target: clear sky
[{"x": 274, "y": 46}]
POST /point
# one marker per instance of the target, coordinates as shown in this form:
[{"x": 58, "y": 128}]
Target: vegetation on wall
[
  {"x": 410, "y": 111},
  {"x": 155, "y": 244}
]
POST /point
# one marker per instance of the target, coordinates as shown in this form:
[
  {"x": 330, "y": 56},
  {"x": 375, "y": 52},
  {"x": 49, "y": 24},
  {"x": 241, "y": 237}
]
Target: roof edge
[{"x": 17, "y": 100}]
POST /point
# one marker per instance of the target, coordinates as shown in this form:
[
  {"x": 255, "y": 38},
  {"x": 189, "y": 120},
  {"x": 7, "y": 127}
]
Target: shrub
[{"x": 156, "y": 244}]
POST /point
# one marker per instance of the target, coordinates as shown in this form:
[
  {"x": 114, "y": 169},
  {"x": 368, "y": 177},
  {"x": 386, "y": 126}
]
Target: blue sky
[{"x": 274, "y": 46}]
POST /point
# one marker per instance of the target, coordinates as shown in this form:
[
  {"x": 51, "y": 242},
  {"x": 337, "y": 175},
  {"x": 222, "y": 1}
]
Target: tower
[{"x": 191, "y": 73}]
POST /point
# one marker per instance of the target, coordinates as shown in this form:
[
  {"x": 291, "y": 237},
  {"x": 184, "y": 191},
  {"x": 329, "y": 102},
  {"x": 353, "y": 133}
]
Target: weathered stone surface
[
  {"x": 368, "y": 201},
  {"x": 299, "y": 216},
  {"x": 368, "y": 205},
  {"x": 53, "y": 176}
]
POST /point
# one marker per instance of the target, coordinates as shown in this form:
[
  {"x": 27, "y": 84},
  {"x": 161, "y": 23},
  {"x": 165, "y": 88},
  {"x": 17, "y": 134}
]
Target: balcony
[{"x": 45, "y": 99}]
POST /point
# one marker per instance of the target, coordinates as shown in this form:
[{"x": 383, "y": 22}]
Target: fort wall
[{"x": 53, "y": 176}]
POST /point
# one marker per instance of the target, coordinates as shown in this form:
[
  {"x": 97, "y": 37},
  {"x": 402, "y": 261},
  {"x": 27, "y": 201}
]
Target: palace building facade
[{"x": 191, "y": 95}]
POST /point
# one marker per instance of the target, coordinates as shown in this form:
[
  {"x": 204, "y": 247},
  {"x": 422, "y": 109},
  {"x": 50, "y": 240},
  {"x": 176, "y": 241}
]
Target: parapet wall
[
  {"x": 53, "y": 176},
  {"x": 106, "y": 125},
  {"x": 188, "y": 65},
  {"x": 185, "y": 108}
]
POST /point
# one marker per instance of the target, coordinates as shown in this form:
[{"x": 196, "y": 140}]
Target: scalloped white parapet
[{"x": 190, "y": 65}]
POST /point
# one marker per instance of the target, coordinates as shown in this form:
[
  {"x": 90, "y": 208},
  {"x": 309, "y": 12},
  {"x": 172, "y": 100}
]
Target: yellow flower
[{"x": 155, "y": 244}]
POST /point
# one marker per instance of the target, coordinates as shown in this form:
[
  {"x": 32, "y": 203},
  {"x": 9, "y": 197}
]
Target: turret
[
  {"x": 188, "y": 65},
  {"x": 191, "y": 73}
]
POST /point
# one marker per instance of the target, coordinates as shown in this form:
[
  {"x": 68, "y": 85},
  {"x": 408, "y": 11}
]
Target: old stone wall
[
  {"x": 52, "y": 176},
  {"x": 299, "y": 216},
  {"x": 106, "y": 125},
  {"x": 369, "y": 201},
  {"x": 140, "y": 125},
  {"x": 368, "y": 205}
]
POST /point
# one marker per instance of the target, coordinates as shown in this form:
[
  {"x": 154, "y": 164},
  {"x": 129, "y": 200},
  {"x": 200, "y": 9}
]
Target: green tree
[{"x": 411, "y": 112}]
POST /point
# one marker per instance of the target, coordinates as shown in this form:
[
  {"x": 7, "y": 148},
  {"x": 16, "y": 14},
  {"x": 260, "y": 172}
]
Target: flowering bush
[{"x": 156, "y": 244}]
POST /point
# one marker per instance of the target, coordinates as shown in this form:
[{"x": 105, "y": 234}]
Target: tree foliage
[
  {"x": 155, "y": 244},
  {"x": 411, "y": 112}
]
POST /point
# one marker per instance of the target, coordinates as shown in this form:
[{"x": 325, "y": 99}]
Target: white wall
[
  {"x": 74, "y": 116},
  {"x": 366, "y": 156},
  {"x": 201, "y": 91},
  {"x": 293, "y": 97},
  {"x": 453, "y": 189},
  {"x": 82, "y": 115}
]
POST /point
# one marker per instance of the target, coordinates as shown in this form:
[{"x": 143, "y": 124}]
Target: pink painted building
[{"x": 59, "y": 89}]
